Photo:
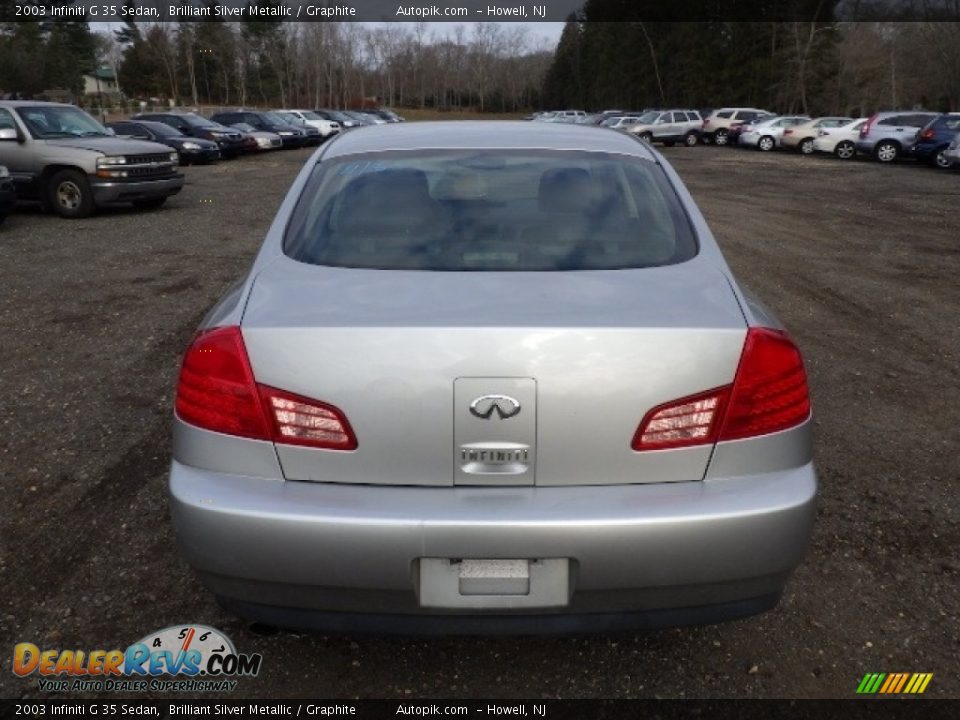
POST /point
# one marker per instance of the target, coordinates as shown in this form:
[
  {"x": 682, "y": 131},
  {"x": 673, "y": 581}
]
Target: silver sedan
[{"x": 491, "y": 376}]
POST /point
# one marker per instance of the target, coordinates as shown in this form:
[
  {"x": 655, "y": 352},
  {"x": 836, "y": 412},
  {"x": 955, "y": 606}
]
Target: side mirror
[{"x": 8, "y": 135}]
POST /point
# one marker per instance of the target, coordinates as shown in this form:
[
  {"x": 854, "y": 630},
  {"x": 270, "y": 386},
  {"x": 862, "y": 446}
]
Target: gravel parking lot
[{"x": 859, "y": 260}]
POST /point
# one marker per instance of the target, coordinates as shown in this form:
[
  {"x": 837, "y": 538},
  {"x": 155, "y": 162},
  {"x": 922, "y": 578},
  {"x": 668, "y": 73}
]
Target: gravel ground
[{"x": 859, "y": 260}]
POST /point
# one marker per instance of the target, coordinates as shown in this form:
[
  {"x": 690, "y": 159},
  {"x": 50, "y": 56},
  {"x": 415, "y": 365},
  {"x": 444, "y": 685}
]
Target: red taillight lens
[
  {"x": 865, "y": 128},
  {"x": 691, "y": 420},
  {"x": 769, "y": 394},
  {"x": 217, "y": 391},
  {"x": 770, "y": 390},
  {"x": 788, "y": 131},
  {"x": 301, "y": 421},
  {"x": 927, "y": 134}
]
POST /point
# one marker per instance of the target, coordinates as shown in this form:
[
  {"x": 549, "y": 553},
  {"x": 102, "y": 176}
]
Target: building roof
[{"x": 103, "y": 73}]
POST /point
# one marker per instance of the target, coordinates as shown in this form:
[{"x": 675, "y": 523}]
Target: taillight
[
  {"x": 691, "y": 420},
  {"x": 927, "y": 134},
  {"x": 865, "y": 128},
  {"x": 217, "y": 391},
  {"x": 298, "y": 420},
  {"x": 788, "y": 131},
  {"x": 770, "y": 391},
  {"x": 769, "y": 394}
]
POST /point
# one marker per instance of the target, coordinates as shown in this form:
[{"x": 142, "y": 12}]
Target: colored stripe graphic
[{"x": 894, "y": 683}]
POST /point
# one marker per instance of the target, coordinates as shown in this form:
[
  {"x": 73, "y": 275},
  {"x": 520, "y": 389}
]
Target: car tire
[
  {"x": 845, "y": 150},
  {"x": 646, "y": 137},
  {"x": 940, "y": 159},
  {"x": 886, "y": 151},
  {"x": 690, "y": 139},
  {"x": 806, "y": 146},
  {"x": 766, "y": 143},
  {"x": 69, "y": 194},
  {"x": 151, "y": 204},
  {"x": 720, "y": 137}
]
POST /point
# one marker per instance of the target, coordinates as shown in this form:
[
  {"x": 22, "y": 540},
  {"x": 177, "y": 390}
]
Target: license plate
[{"x": 494, "y": 583}]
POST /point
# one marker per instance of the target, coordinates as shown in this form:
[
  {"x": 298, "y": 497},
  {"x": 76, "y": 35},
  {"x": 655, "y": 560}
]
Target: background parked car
[
  {"x": 716, "y": 126},
  {"x": 365, "y": 118},
  {"x": 669, "y": 127},
  {"x": 739, "y": 127},
  {"x": 229, "y": 141},
  {"x": 345, "y": 121},
  {"x": 265, "y": 122},
  {"x": 389, "y": 115},
  {"x": 765, "y": 135},
  {"x": 800, "y": 137},
  {"x": 308, "y": 118},
  {"x": 841, "y": 141},
  {"x": 621, "y": 122},
  {"x": 189, "y": 149},
  {"x": 888, "y": 136},
  {"x": 934, "y": 140},
  {"x": 8, "y": 194},
  {"x": 61, "y": 156},
  {"x": 953, "y": 152},
  {"x": 264, "y": 140}
]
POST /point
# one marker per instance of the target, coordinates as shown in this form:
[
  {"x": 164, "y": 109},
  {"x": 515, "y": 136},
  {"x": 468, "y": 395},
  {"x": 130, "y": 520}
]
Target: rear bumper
[
  {"x": 297, "y": 553},
  {"x": 106, "y": 193}
]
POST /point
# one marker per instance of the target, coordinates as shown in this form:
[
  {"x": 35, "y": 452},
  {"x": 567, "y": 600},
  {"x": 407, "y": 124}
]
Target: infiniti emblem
[{"x": 505, "y": 406}]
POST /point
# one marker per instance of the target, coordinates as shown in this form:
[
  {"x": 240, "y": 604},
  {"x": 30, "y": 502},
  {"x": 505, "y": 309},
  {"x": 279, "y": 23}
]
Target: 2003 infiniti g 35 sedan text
[{"x": 490, "y": 376}]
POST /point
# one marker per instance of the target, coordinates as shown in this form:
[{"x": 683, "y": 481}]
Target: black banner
[
  {"x": 529, "y": 708},
  {"x": 459, "y": 11}
]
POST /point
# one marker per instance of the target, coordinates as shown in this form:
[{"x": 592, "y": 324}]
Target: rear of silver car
[{"x": 449, "y": 415}]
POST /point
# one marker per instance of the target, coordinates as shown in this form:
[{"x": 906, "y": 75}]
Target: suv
[
  {"x": 716, "y": 128},
  {"x": 68, "y": 161},
  {"x": 669, "y": 127},
  {"x": 568, "y": 116},
  {"x": 291, "y": 136},
  {"x": 889, "y": 135},
  {"x": 933, "y": 141},
  {"x": 8, "y": 195},
  {"x": 230, "y": 142}
]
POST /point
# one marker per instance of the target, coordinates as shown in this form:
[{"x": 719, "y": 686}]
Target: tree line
[{"x": 827, "y": 64}]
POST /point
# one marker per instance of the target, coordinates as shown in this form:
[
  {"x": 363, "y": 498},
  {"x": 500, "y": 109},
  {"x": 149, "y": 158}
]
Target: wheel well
[{"x": 50, "y": 170}]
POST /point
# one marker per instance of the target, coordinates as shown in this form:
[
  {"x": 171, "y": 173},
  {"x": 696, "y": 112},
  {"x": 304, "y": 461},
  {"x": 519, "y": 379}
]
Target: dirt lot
[{"x": 859, "y": 260}]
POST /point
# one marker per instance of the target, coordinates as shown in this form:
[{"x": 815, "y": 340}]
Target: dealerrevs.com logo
[{"x": 186, "y": 658}]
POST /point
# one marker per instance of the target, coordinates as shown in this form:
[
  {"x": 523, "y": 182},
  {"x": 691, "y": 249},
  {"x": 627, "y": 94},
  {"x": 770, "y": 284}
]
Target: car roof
[
  {"x": 485, "y": 135},
  {"x": 33, "y": 103}
]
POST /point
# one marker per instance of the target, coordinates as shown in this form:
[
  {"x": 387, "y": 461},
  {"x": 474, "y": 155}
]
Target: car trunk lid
[{"x": 406, "y": 354}]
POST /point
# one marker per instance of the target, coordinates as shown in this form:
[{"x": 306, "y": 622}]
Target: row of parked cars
[
  {"x": 887, "y": 136},
  {"x": 72, "y": 164}
]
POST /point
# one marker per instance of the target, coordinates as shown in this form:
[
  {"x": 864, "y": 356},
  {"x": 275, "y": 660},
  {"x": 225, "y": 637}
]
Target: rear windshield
[{"x": 464, "y": 210}]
